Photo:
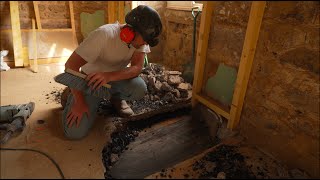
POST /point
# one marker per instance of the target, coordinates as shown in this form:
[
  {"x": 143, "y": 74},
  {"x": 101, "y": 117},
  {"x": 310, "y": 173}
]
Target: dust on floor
[{"x": 77, "y": 159}]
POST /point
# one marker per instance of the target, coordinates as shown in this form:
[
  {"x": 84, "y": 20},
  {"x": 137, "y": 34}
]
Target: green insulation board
[
  {"x": 221, "y": 86},
  {"x": 90, "y": 22}
]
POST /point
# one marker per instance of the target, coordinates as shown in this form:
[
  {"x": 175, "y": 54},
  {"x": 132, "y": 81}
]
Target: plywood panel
[{"x": 52, "y": 44}]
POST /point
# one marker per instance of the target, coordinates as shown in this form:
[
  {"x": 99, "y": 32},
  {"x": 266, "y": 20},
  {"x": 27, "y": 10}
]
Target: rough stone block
[
  {"x": 234, "y": 13},
  {"x": 279, "y": 38},
  {"x": 173, "y": 79},
  {"x": 166, "y": 87},
  {"x": 294, "y": 12},
  {"x": 184, "y": 86},
  {"x": 302, "y": 58},
  {"x": 225, "y": 44}
]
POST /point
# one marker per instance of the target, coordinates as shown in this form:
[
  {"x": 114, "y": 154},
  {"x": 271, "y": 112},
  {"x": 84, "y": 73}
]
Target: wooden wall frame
[
  {"x": 37, "y": 14},
  {"x": 116, "y": 11},
  {"x": 249, "y": 46},
  {"x": 16, "y": 30}
]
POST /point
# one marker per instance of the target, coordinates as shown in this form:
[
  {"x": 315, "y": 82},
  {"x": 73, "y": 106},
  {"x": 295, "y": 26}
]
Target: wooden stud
[
  {"x": 49, "y": 60},
  {"x": 25, "y": 56},
  {"x": 40, "y": 61},
  {"x": 248, "y": 51},
  {"x": 16, "y": 34},
  {"x": 35, "y": 51},
  {"x": 210, "y": 104},
  {"x": 121, "y": 12},
  {"x": 201, "y": 56},
  {"x": 73, "y": 27},
  {"x": 36, "y": 11},
  {"x": 111, "y": 11},
  {"x": 134, "y": 4}
]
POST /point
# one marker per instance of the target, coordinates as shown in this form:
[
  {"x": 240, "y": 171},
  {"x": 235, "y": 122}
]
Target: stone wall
[
  {"x": 281, "y": 109},
  {"x": 157, "y": 51},
  {"x": 88, "y": 7},
  {"x": 177, "y": 50}
]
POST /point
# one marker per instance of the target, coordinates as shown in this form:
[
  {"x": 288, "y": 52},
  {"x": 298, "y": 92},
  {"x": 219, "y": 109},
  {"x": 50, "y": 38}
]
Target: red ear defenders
[{"x": 127, "y": 34}]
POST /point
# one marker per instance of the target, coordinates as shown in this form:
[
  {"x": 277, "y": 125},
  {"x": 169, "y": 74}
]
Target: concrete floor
[{"x": 77, "y": 159}]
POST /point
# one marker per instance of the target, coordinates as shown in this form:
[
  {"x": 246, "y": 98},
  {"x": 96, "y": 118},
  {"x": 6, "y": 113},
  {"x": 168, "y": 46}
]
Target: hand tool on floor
[
  {"x": 76, "y": 80},
  {"x": 17, "y": 122}
]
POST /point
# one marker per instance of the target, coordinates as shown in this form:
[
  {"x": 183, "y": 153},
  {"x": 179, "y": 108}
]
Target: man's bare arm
[
  {"x": 134, "y": 70},
  {"x": 75, "y": 62},
  {"x": 96, "y": 80}
]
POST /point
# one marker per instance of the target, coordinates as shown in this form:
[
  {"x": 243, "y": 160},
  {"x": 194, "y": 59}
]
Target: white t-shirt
[{"x": 105, "y": 51}]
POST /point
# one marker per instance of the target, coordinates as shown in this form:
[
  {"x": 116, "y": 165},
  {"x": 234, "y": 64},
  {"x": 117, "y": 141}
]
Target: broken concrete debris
[{"x": 164, "y": 88}]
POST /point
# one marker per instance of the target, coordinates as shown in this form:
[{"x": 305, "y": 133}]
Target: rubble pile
[
  {"x": 226, "y": 163},
  {"x": 164, "y": 88}
]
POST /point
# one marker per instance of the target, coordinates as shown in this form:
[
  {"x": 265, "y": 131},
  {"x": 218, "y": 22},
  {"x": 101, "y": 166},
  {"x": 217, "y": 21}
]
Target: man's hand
[
  {"x": 76, "y": 112},
  {"x": 97, "y": 80}
]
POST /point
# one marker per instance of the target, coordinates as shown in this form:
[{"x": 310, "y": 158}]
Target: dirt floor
[{"x": 77, "y": 159}]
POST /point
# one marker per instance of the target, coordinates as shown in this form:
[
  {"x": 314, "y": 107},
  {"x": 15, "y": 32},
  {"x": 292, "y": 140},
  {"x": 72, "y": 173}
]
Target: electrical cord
[{"x": 53, "y": 161}]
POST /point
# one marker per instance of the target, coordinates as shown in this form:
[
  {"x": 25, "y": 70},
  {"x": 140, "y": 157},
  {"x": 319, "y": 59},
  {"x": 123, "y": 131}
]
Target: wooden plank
[
  {"x": 39, "y": 30},
  {"x": 16, "y": 34},
  {"x": 73, "y": 27},
  {"x": 111, "y": 12},
  {"x": 134, "y": 4},
  {"x": 50, "y": 60},
  {"x": 35, "y": 48},
  {"x": 25, "y": 56},
  {"x": 212, "y": 105},
  {"x": 36, "y": 11},
  {"x": 161, "y": 148},
  {"x": 121, "y": 12},
  {"x": 248, "y": 52},
  {"x": 201, "y": 56},
  {"x": 42, "y": 61}
]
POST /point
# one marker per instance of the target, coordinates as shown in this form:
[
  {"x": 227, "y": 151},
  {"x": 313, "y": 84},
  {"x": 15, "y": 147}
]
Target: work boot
[
  {"x": 123, "y": 109},
  {"x": 64, "y": 96}
]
